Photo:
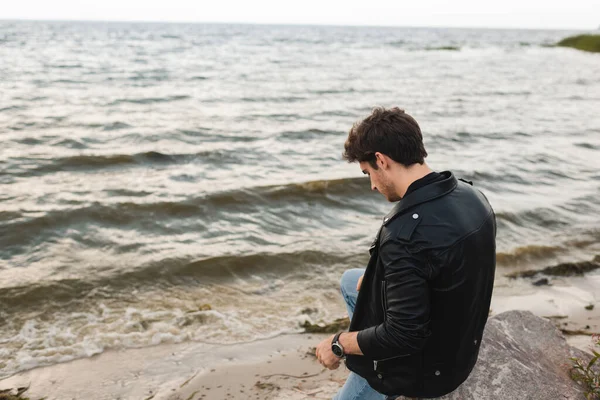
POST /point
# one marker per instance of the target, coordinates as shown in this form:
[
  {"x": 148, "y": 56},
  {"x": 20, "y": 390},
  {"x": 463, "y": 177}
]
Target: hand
[
  {"x": 359, "y": 282},
  {"x": 326, "y": 356}
]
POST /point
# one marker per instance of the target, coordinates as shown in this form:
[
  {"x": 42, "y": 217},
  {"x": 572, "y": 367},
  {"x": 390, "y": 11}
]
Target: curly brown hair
[{"x": 389, "y": 131}]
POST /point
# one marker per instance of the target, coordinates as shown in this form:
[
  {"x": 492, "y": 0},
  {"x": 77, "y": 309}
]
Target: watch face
[{"x": 337, "y": 350}]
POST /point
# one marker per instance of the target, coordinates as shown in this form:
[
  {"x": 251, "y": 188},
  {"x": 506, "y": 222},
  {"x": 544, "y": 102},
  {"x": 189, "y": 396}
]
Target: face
[{"x": 380, "y": 181}]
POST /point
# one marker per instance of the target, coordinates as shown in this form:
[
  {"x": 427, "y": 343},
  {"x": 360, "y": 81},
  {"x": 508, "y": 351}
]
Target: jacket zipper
[
  {"x": 384, "y": 306},
  {"x": 389, "y": 358},
  {"x": 384, "y": 299}
]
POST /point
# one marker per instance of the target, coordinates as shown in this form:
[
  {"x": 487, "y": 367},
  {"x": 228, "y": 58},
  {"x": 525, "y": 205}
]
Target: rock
[
  {"x": 582, "y": 42},
  {"x": 522, "y": 356},
  {"x": 336, "y": 326},
  {"x": 541, "y": 282}
]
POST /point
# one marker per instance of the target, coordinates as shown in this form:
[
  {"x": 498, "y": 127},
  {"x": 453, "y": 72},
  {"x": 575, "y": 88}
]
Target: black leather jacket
[{"x": 426, "y": 292}]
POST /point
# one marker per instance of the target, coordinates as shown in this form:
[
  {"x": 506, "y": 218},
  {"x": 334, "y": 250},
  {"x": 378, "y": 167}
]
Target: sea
[{"x": 163, "y": 183}]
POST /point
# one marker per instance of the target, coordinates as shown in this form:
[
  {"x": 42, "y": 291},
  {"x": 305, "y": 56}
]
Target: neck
[{"x": 407, "y": 175}]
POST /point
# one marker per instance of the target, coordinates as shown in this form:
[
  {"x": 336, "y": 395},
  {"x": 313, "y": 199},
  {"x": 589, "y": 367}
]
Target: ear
[{"x": 382, "y": 160}]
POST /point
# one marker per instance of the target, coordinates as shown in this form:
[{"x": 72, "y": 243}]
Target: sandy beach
[{"x": 283, "y": 367}]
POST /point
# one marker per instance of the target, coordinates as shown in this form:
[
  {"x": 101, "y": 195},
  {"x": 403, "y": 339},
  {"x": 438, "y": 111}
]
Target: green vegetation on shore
[
  {"x": 7, "y": 394},
  {"x": 589, "y": 43},
  {"x": 587, "y": 373}
]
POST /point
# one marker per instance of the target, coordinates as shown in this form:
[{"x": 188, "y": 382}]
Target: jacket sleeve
[{"x": 406, "y": 326}]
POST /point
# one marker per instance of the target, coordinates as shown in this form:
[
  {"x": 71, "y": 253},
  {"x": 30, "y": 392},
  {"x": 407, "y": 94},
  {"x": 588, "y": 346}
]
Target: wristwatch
[{"x": 336, "y": 346}]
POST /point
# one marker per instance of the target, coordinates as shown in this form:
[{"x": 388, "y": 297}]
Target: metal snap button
[
  {"x": 415, "y": 216},
  {"x": 379, "y": 376},
  {"x": 437, "y": 372},
  {"x": 475, "y": 342}
]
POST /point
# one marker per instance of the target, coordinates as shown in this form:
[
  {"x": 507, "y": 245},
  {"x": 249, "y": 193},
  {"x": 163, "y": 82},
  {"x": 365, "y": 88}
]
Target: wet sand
[
  {"x": 280, "y": 366},
  {"x": 283, "y": 367},
  {"x": 294, "y": 374}
]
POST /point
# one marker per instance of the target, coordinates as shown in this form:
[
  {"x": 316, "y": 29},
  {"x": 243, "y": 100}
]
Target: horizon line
[{"x": 291, "y": 24}]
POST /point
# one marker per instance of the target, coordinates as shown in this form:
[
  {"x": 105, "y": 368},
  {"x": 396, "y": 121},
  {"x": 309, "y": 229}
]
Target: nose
[{"x": 373, "y": 187}]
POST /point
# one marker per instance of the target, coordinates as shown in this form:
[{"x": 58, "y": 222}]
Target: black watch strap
[{"x": 336, "y": 337}]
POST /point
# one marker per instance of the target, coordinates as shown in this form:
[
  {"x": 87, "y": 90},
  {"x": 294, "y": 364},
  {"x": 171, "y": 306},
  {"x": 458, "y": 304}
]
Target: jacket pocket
[{"x": 400, "y": 374}]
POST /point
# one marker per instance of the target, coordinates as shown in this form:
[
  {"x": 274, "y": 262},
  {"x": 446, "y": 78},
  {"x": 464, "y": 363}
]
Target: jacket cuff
[{"x": 367, "y": 341}]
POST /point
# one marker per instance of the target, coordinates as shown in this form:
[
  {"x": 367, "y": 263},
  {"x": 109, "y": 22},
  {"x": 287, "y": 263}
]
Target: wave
[
  {"x": 79, "y": 82},
  {"x": 442, "y": 48},
  {"x": 115, "y": 126},
  {"x": 150, "y": 78},
  {"x": 13, "y": 108},
  {"x": 94, "y": 162},
  {"x": 208, "y": 136},
  {"x": 338, "y": 193},
  {"x": 276, "y": 117},
  {"x": 91, "y": 161},
  {"x": 589, "y": 146},
  {"x": 506, "y": 93},
  {"x": 308, "y": 134},
  {"x": 168, "y": 272},
  {"x": 149, "y": 100},
  {"x": 19, "y": 126},
  {"x": 20, "y": 230},
  {"x": 299, "y": 40},
  {"x": 332, "y": 91},
  {"x": 527, "y": 254},
  {"x": 336, "y": 113},
  {"x": 546, "y": 217},
  {"x": 9, "y": 215},
  {"x": 284, "y": 99},
  {"x": 69, "y": 143},
  {"x": 64, "y": 66},
  {"x": 412, "y": 47},
  {"x": 311, "y": 190},
  {"x": 397, "y": 43},
  {"x": 29, "y": 141},
  {"x": 492, "y": 179}
]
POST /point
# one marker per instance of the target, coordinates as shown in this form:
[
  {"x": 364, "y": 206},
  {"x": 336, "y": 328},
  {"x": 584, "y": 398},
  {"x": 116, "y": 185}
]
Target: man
[{"x": 418, "y": 318}]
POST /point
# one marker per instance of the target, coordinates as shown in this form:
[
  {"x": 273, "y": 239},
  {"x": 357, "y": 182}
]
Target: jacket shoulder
[
  {"x": 441, "y": 222},
  {"x": 401, "y": 228}
]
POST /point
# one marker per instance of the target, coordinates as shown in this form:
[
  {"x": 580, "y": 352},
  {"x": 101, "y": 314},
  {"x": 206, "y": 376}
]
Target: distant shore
[{"x": 590, "y": 43}]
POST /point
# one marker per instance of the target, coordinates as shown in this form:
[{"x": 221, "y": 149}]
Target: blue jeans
[{"x": 356, "y": 387}]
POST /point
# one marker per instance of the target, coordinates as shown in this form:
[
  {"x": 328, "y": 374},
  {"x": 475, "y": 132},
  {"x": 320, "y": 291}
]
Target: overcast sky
[{"x": 575, "y": 14}]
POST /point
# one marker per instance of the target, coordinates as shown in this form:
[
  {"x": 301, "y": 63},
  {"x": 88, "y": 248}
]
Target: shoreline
[
  {"x": 281, "y": 367},
  {"x": 159, "y": 372}
]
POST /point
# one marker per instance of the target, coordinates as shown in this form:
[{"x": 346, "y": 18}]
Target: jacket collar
[{"x": 423, "y": 195}]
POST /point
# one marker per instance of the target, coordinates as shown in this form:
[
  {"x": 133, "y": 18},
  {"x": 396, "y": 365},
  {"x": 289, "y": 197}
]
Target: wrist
[{"x": 336, "y": 346}]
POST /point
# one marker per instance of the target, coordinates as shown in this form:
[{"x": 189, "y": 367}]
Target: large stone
[{"x": 522, "y": 356}]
